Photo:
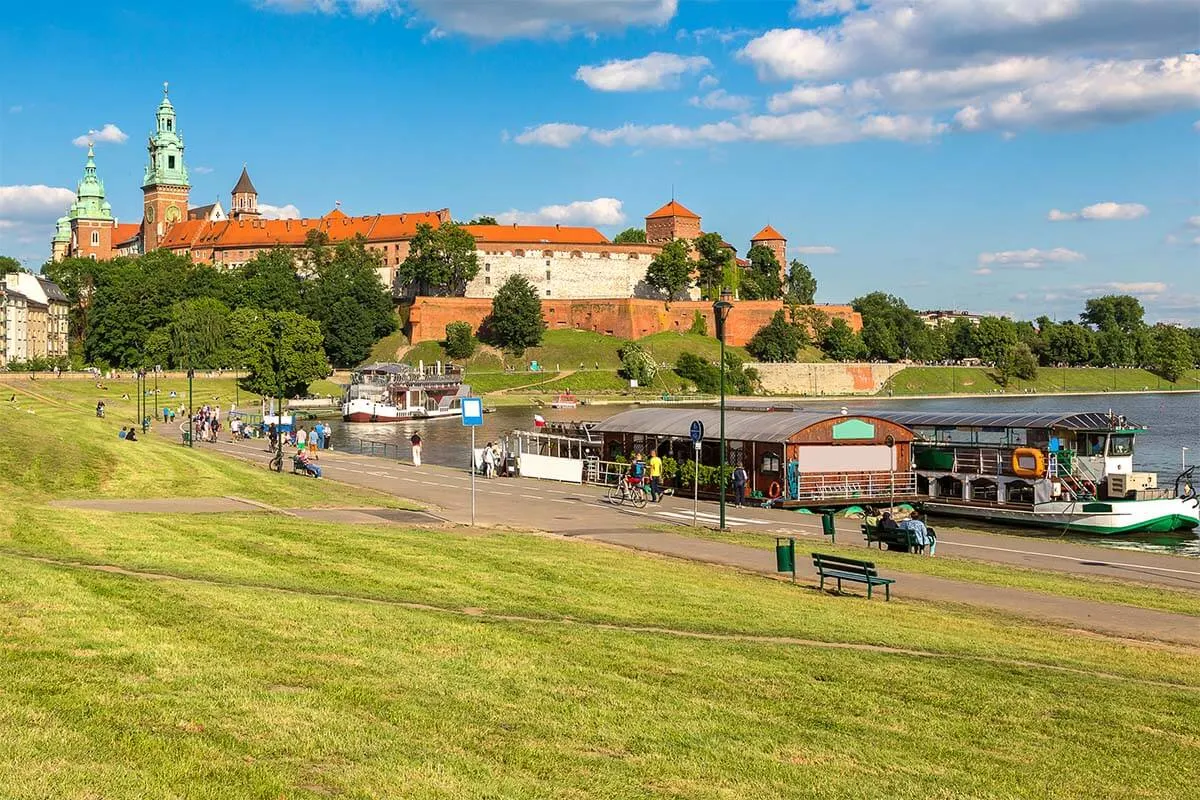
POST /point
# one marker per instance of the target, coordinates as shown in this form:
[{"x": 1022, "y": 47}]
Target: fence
[
  {"x": 605, "y": 473},
  {"x": 367, "y": 447},
  {"x": 821, "y": 486}
]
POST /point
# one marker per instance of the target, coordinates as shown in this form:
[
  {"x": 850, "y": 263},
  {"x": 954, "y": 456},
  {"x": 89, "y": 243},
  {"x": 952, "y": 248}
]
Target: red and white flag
[{"x": 539, "y": 421}]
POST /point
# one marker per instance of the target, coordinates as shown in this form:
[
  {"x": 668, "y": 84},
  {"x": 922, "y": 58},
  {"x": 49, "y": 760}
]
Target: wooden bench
[
  {"x": 850, "y": 569},
  {"x": 298, "y": 467},
  {"x": 900, "y": 539}
]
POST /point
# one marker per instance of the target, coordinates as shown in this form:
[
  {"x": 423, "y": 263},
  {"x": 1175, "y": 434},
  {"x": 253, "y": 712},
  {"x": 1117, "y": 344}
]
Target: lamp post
[
  {"x": 156, "y": 409},
  {"x": 191, "y": 416},
  {"x": 721, "y": 310}
]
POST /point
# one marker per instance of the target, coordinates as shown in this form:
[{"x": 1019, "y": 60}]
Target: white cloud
[
  {"x": 1193, "y": 222},
  {"x": 1032, "y": 258},
  {"x": 815, "y": 249},
  {"x": 108, "y": 133},
  {"x": 806, "y": 97},
  {"x": 807, "y": 9},
  {"x": 269, "y": 211},
  {"x": 708, "y": 82},
  {"x": 721, "y": 99},
  {"x": 719, "y": 35},
  {"x": 1149, "y": 290},
  {"x": 202, "y": 170},
  {"x": 654, "y": 71},
  {"x": 15, "y": 109},
  {"x": 1101, "y": 211},
  {"x": 552, "y": 134},
  {"x": 501, "y": 19},
  {"x": 1110, "y": 91},
  {"x": 34, "y": 203},
  {"x": 601, "y": 211}
]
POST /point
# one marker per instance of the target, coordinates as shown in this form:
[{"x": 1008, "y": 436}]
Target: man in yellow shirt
[{"x": 655, "y": 478}]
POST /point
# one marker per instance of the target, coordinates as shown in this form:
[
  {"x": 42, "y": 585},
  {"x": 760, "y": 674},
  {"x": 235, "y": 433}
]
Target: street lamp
[{"x": 721, "y": 310}]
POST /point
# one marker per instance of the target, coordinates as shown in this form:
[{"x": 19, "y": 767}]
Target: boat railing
[
  {"x": 606, "y": 473},
  {"x": 368, "y": 447},
  {"x": 821, "y": 486}
]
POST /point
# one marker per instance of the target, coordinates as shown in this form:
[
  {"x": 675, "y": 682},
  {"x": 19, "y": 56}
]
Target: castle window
[
  {"x": 547, "y": 293},
  {"x": 95, "y": 238},
  {"x": 487, "y": 281},
  {"x": 170, "y": 162},
  {"x": 169, "y": 123},
  {"x": 547, "y": 274},
  {"x": 519, "y": 253},
  {"x": 487, "y": 267},
  {"x": 547, "y": 262}
]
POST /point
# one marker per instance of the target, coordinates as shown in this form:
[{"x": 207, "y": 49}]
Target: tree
[
  {"x": 1171, "y": 352},
  {"x": 198, "y": 333},
  {"x": 1069, "y": 343},
  {"x": 269, "y": 281},
  {"x": 671, "y": 270},
  {"x": 483, "y": 219},
  {"x": 699, "y": 324},
  {"x": 441, "y": 262},
  {"x": 995, "y": 337},
  {"x": 131, "y": 298},
  {"x": 962, "y": 339},
  {"x": 777, "y": 341},
  {"x": 516, "y": 321},
  {"x": 9, "y": 264},
  {"x": 1017, "y": 361},
  {"x": 1118, "y": 311},
  {"x": 630, "y": 236},
  {"x": 348, "y": 272},
  {"x": 460, "y": 340},
  {"x": 707, "y": 376},
  {"x": 280, "y": 349},
  {"x": 841, "y": 343},
  {"x": 801, "y": 285},
  {"x": 891, "y": 330},
  {"x": 762, "y": 280},
  {"x": 77, "y": 277},
  {"x": 714, "y": 258},
  {"x": 637, "y": 364}
]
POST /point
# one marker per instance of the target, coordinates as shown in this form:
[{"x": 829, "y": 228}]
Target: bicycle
[
  {"x": 277, "y": 461},
  {"x": 624, "y": 490}
]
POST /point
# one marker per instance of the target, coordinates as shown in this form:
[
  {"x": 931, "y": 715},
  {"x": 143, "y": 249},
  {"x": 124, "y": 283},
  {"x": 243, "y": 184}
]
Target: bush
[
  {"x": 516, "y": 321},
  {"x": 638, "y": 365},
  {"x": 707, "y": 376},
  {"x": 777, "y": 341},
  {"x": 460, "y": 340},
  {"x": 699, "y": 324}
]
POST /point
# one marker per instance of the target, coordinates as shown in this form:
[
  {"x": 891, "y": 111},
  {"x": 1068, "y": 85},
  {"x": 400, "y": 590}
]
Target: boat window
[
  {"x": 770, "y": 463},
  {"x": 993, "y": 436},
  {"x": 1092, "y": 444},
  {"x": 1120, "y": 445},
  {"x": 1017, "y": 437}
]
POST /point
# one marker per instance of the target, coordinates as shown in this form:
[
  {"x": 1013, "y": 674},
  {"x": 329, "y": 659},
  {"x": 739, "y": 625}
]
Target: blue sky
[{"x": 1010, "y": 156}]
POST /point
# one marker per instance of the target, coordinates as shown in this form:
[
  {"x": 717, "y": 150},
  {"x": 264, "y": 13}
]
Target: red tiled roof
[
  {"x": 672, "y": 209},
  {"x": 123, "y": 232},
  {"x": 768, "y": 234},
  {"x": 535, "y": 234},
  {"x": 183, "y": 234},
  {"x": 261, "y": 233}
]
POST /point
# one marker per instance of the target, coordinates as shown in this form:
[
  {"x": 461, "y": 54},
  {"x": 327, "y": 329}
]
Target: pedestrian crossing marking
[{"x": 709, "y": 517}]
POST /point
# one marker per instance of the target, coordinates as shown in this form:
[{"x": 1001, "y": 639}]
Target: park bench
[
  {"x": 900, "y": 539},
  {"x": 851, "y": 569},
  {"x": 298, "y": 467}
]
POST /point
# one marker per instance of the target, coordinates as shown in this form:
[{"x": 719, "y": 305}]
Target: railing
[
  {"x": 821, "y": 486},
  {"x": 367, "y": 447},
  {"x": 605, "y": 473}
]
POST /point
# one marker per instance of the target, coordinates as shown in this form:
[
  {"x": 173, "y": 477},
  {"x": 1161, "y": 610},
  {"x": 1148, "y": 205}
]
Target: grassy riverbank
[
  {"x": 256, "y": 655},
  {"x": 917, "y": 381}
]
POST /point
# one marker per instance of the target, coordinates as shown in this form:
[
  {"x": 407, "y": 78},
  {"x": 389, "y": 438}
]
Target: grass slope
[{"x": 978, "y": 380}]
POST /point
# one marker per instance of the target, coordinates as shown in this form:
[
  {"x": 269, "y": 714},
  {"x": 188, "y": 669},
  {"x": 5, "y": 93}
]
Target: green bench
[
  {"x": 851, "y": 569},
  {"x": 901, "y": 539}
]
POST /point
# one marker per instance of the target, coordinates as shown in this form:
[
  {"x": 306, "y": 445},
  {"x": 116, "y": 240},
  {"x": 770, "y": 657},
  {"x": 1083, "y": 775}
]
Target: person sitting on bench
[
  {"x": 914, "y": 524},
  {"x": 309, "y": 467},
  {"x": 887, "y": 523}
]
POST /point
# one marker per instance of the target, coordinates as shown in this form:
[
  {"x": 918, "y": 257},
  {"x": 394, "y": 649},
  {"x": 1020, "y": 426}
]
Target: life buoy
[
  {"x": 1028, "y": 462},
  {"x": 774, "y": 490}
]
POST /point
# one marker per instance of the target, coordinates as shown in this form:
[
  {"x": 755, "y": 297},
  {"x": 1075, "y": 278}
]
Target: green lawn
[
  {"x": 978, "y": 380},
  {"x": 1129, "y": 593},
  {"x": 261, "y": 656}
]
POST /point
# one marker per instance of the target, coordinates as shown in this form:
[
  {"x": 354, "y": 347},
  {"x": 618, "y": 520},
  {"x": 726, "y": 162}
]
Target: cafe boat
[
  {"x": 396, "y": 392},
  {"x": 1071, "y": 472}
]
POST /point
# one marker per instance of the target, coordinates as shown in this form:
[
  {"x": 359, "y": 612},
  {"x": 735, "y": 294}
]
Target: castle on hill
[{"x": 561, "y": 261}]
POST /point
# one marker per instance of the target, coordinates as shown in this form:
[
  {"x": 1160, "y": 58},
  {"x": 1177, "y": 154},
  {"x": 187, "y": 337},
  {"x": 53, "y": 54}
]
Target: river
[{"x": 1173, "y": 422}]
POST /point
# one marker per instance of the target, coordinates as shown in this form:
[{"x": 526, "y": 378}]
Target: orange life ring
[
  {"x": 774, "y": 490},
  {"x": 1028, "y": 462}
]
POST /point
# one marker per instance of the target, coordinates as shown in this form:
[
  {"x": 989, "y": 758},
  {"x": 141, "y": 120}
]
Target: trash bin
[
  {"x": 827, "y": 526},
  {"x": 187, "y": 437},
  {"x": 785, "y": 555}
]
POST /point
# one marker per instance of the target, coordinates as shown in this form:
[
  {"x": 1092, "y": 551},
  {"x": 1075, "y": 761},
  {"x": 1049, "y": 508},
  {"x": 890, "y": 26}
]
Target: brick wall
[{"x": 626, "y": 318}]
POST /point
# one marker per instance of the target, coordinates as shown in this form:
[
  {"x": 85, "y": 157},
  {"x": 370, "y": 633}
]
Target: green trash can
[
  {"x": 785, "y": 555},
  {"x": 827, "y": 526},
  {"x": 187, "y": 437}
]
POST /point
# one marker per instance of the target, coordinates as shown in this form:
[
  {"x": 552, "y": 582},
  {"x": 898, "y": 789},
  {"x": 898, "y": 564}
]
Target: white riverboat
[
  {"x": 1072, "y": 472},
  {"x": 396, "y": 392}
]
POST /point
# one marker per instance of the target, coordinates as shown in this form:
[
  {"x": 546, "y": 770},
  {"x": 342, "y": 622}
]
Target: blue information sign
[
  {"x": 697, "y": 430},
  {"x": 472, "y": 411}
]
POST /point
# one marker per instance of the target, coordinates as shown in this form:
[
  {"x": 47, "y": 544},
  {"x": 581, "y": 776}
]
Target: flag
[{"x": 539, "y": 421}]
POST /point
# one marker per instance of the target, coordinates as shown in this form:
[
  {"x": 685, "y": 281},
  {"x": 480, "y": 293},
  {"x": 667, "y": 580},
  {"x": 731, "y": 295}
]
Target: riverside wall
[
  {"x": 824, "y": 378},
  {"x": 627, "y": 318}
]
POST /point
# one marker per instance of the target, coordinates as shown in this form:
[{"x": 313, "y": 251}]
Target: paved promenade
[{"x": 581, "y": 511}]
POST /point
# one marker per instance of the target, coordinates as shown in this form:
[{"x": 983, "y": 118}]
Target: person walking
[
  {"x": 415, "y": 441},
  {"x": 489, "y": 461},
  {"x": 739, "y": 484},
  {"x": 301, "y": 437},
  {"x": 656, "y": 468}
]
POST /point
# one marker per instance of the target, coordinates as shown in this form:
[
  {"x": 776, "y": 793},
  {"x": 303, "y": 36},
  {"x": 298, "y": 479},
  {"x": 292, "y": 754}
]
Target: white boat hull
[
  {"x": 360, "y": 410},
  {"x": 1101, "y": 517}
]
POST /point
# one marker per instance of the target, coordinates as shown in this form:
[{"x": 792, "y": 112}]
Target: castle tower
[
  {"x": 245, "y": 198},
  {"x": 671, "y": 222},
  {"x": 89, "y": 223},
  {"x": 774, "y": 241},
  {"x": 165, "y": 188}
]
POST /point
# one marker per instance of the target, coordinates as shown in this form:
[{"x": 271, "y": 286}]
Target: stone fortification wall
[
  {"x": 579, "y": 271},
  {"x": 825, "y": 378},
  {"x": 628, "y": 318}
]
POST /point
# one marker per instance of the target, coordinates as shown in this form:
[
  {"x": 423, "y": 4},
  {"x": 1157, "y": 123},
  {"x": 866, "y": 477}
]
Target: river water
[{"x": 1173, "y": 421}]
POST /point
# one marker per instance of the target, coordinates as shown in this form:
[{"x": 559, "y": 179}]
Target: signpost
[
  {"x": 697, "y": 434},
  {"x": 472, "y": 417}
]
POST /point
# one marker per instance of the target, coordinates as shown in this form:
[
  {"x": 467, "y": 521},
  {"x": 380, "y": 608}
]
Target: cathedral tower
[
  {"x": 90, "y": 220},
  {"x": 165, "y": 187},
  {"x": 245, "y": 198}
]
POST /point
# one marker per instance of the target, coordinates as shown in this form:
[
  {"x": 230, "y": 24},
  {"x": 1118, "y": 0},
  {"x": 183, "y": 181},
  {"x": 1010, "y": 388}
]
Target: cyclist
[{"x": 637, "y": 470}]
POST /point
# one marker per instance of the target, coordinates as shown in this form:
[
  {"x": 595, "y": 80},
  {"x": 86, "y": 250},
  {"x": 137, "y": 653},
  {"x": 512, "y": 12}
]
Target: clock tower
[{"x": 166, "y": 186}]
